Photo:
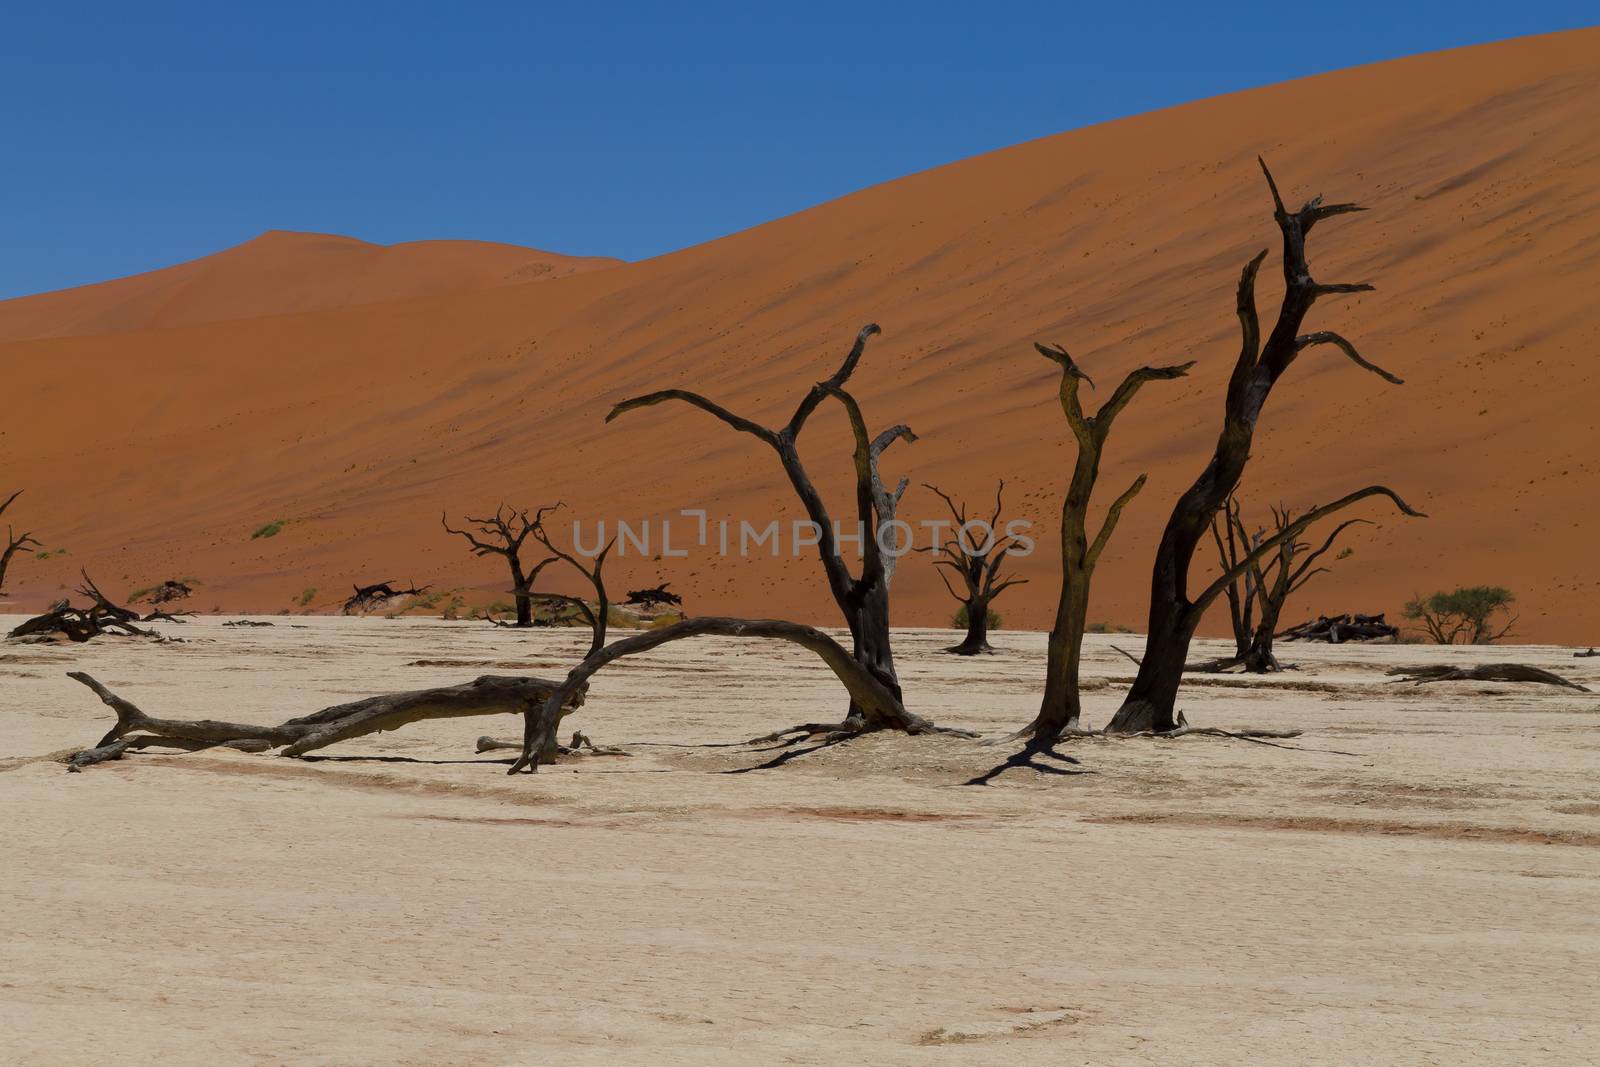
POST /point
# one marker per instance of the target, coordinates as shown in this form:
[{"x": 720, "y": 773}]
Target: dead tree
[
  {"x": 878, "y": 702},
  {"x": 1151, "y": 703},
  {"x": 502, "y": 534},
  {"x": 1060, "y": 709},
  {"x": 1228, "y": 533},
  {"x": 1264, "y": 585},
  {"x": 978, "y": 566},
  {"x": 367, "y": 597},
  {"x": 594, "y": 572},
  {"x": 14, "y": 543},
  {"x": 170, "y": 591},
  {"x": 488, "y": 695},
  {"x": 654, "y": 597},
  {"x": 863, "y": 600},
  {"x": 102, "y": 616}
]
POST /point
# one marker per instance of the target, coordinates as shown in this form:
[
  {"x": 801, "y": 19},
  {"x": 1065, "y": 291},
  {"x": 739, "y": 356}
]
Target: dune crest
[{"x": 281, "y": 272}]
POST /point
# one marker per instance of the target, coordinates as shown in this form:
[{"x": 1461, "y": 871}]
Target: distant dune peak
[{"x": 282, "y": 272}]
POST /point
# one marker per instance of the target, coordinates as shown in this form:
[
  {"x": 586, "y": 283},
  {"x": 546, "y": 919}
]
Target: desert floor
[{"x": 1417, "y": 881}]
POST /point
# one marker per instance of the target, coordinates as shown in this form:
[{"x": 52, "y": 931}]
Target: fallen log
[
  {"x": 490, "y": 694},
  {"x": 1484, "y": 672},
  {"x": 1338, "y": 629},
  {"x": 367, "y": 597},
  {"x": 1585, "y": 655},
  {"x": 579, "y": 744},
  {"x": 654, "y": 597},
  {"x": 101, "y": 617}
]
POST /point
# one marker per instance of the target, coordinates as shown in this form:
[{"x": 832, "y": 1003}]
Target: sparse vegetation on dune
[{"x": 270, "y": 529}]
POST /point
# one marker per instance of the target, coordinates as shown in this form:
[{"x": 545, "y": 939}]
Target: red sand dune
[
  {"x": 281, "y": 273},
  {"x": 153, "y": 450}
]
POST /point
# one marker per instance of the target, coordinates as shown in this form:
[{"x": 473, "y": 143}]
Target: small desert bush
[
  {"x": 271, "y": 529},
  {"x": 1470, "y": 612}
]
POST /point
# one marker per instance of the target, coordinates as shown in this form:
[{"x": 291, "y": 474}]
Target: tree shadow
[{"x": 1024, "y": 760}]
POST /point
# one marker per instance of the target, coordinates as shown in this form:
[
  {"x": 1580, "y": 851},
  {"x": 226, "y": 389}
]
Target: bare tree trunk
[
  {"x": 1060, "y": 709},
  {"x": 1151, "y": 703},
  {"x": 977, "y": 640},
  {"x": 521, "y": 592}
]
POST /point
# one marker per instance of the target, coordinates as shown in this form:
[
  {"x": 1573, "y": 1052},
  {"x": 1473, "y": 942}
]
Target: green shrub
[
  {"x": 307, "y": 596},
  {"x": 1466, "y": 612},
  {"x": 271, "y": 529}
]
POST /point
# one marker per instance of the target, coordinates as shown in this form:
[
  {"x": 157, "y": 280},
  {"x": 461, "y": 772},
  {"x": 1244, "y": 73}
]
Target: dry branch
[
  {"x": 1483, "y": 672},
  {"x": 881, "y": 707},
  {"x": 1338, "y": 629},
  {"x": 367, "y": 597},
  {"x": 488, "y": 695}
]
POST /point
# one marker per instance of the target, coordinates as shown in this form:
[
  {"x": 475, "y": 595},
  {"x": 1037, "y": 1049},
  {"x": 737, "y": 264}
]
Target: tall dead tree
[
  {"x": 1151, "y": 703},
  {"x": 502, "y": 534},
  {"x": 863, "y": 600},
  {"x": 977, "y": 564},
  {"x": 14, "y": 543},
  {"x": 1060, "y": 709},
  {"x": 1257, "y": 595}
]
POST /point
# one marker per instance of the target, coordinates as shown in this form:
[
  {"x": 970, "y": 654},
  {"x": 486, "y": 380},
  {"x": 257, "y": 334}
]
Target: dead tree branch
[
  {"x": 1483, "y": 672},
  {"x": 488, "y": 695},
  {"x": 15, "y": 543},
  {"x": 367, "y": 597},
  {"x": 881, "y": 706}
]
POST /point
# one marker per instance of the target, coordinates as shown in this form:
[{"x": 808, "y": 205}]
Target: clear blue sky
[{"x": 133, "y": 136}]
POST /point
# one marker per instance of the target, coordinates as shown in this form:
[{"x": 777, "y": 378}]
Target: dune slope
[{"x": 156, "y": 450}]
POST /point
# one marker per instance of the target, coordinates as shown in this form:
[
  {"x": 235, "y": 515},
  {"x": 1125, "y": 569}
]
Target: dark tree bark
[
  {"x": 878, "y": 701},
  {"x": 1152, "y": 701},
  {"x": 863, "y": 600},
  {"x": 1060, "y": 709},
  {"x": 101, "y": 617},
  {"x": 1227, "y": 530},
  {"x": 1341, "y": 628},
  {"x": 488, "y": 695},
  {"x": 655, "y": 596},
  {"x": 367, "y": 597},
  {"x": 14, "y": 543},
  {"x": 978, "y": 564},
  {"x": 502, "y": 534},
  {"x": 1483, "y": 672}
]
